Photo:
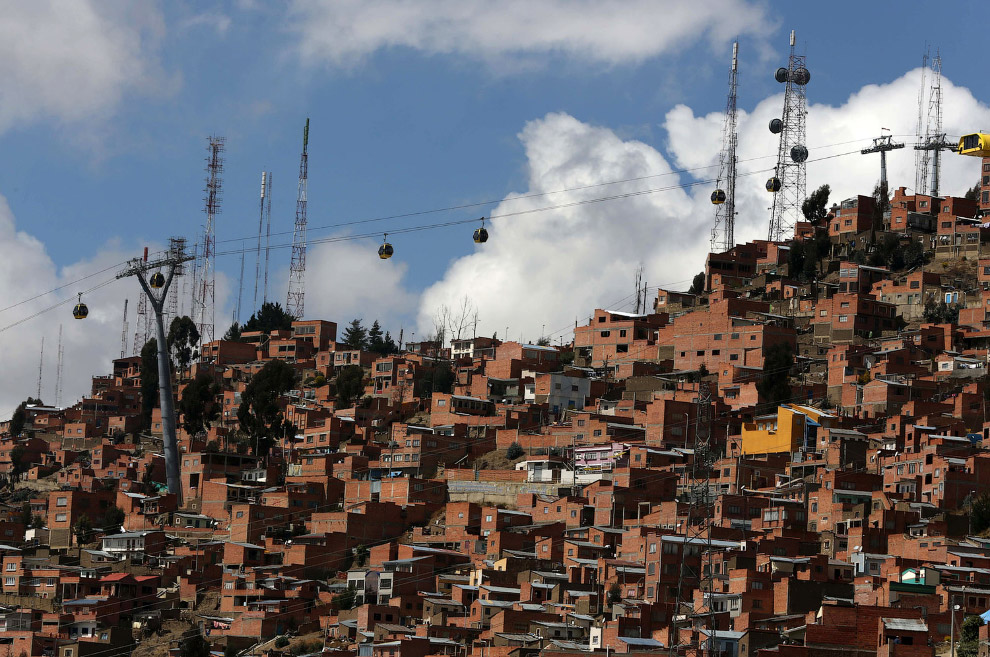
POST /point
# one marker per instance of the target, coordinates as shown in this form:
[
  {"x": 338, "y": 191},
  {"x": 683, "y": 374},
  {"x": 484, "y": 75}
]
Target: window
[
  {"x": 62, "y": 501},
  {"x": 622, "y": 333},
  {"x": 11, "y": 566},
  {"x": 606, "y": 334},
  {"x": 60, "y": 517},
  {"x": 9, "y": 581}
]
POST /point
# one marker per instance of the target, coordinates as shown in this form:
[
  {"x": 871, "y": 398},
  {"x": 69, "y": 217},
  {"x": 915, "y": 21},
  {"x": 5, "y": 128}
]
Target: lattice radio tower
[
  {"x": 175, "y": 245},
  {"x": 789, "y": 180},
  {"x": 58, "y": 371},
  {"x": 206, "y": 284},
  {"x": 123, "y": 332},
  {"x": 142, "y": 324},
  {"x": 295, "y": 303},
  {"x": 724, "y": 198},
  {"x": 266, "y": 189},
  {"x": 698, "y": 532},
  {"x": 931, "y": 145}
]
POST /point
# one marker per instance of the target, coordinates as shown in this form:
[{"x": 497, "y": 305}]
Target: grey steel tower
[
  {"x": 295, "y": 303},
  {"x": 724, "y": 196},
  {"x": 789, "y": 180}
]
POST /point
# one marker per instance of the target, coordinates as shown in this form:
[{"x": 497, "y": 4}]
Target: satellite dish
[
  {"x": 799, "y": 153},
  {"x": 781, "y": 75},
  {"x": 776, "y": 126}
]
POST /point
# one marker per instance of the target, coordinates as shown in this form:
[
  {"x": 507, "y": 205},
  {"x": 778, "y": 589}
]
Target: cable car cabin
[
  {"x": 157, "y": 280},
  {"x": 773, "y": 184},
  {"x": 480, "y": 235},
  {"x": 385, "y": 251},
  {"x": 718, "y": 197},
  {"x": 976, "y": 145},
  {"x": 80, "y": 311}
]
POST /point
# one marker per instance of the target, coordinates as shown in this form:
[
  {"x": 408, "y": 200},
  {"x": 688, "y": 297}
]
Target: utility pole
[
  {"x": 881, "y": 145},
  {"x": 295, "y": 303},
  {"x": 699, "y": 491},
  {"x": 172, "y": 262}
]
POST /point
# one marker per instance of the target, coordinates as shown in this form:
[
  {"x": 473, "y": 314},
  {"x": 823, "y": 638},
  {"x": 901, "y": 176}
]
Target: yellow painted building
[{"x": 784, "y": 432}]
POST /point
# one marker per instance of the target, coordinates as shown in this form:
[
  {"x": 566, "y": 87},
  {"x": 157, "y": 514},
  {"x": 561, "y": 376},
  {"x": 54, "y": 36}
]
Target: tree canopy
[
  {"x": 233, "y": 333},
  {"x": 198, "y": 404},
  {"x": 697, "y": 284},
  {"x": 270, "y": 317},
  {"x": 260, "y": 414},
  {"x": 149, "y": 380},
  {"x": 355, "y": 335},
  {"x": 815, "y": 207},
  {"x": 19, "y": 418},
  {"x": 349, "y": 385},
  {"x": 773, "y": 384},
  {"x": 183, "y": 341}
]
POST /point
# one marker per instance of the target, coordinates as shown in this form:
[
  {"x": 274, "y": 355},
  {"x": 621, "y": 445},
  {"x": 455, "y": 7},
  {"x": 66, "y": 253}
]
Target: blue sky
[{"x": 415, "y": 107}]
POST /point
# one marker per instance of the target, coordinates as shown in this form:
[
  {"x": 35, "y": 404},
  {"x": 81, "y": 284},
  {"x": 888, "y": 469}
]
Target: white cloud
[
  {"x": 347, "y": 280},
  {"x": 548, "y": 268},
  {"x": 89, "y": 345},
  {"x": 343, "y": 32},
  {"x": 73, "y": 61}
]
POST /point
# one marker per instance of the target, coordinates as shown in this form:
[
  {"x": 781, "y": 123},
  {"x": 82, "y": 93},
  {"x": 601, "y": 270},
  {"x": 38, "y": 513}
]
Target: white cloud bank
[
  {"x": 548, "y": 268},
  {"x": 72, "y": 61},
  {"x": 344, "y": 32}
]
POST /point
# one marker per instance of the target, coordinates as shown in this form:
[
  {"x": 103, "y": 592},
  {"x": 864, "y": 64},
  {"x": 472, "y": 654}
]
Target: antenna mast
[
  {"x": 41, "y": 365},
  {"x": 789, "y": 180},
  {"x": 175, "y": 245},
  {"x": 723, "y": 232},
  {"x": 922, "y": 155},
  {"x": 205, "y": 294},
  {"x": 257, "y": 256},
  {"x": 934, "y": 142},
  {"x": 58, "y": 371},
  {"x": 268, "y": 231},
  {"x": 123, "y": 333},
  {"x": 295, "y": 303}
]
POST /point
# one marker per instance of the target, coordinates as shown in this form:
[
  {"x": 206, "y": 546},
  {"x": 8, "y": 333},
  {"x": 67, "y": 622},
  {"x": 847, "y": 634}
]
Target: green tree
[
  {"x": 914, "y": 254},
  {"x": 815, "y": 207},
  {"x": 389, "y": 344},
  {"x": 345, "y": 599},
  {"x": 82, "y": 529},
  {"x": 796, "y": 259},
  {"x": 19, "y": 418},
  {"x": 270, "y": 317},
  {"x": 17, "y": 460},
  {"x": 260, "y": 414},
  {"x": 969, "y": 637},
  {"x": 356, "y": 336},
  {"x": 198, "y": 404},
  {"x": 979, "y": 512},
  {"x": 773, "y": 384},
  {"x": 881, "y": 199},
  {"x": 514, "y": 451},
  {"x": 233, "y": 333},
  {"x": 349, "y": 385},
  {"x": 112, "y": 518},
  {"x": 937, "y": 311},
  {"x": 183, "y": 340},
  {"x": 149, "y": 380},
  {"x": 361, "y": 555},
  {"x": 194, "y": 645},
  {"x": 544, "y": 341},
  {"x": 614, "y": 593},
  {"x": 26, "y": 516},
  {"x": 376, "y": 341},
  {"x": 973, "y": 193},
  {"x": 697, "y": 284}
]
